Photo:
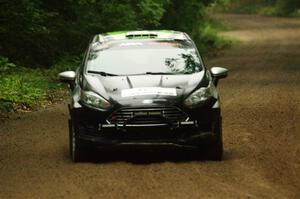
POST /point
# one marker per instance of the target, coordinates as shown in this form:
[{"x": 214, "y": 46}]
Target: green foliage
[
  {"x": 244, "y": 6},
  {"x": 150, "y": 12},
  {"x": 24, "y": 30},
  {"x": 67, "y": 63},
  {"x": 219, "y": 6},
  {"x": 23, "y": 88},
  {"x": 20, "y": 89},
  {"x": 263, "y": 7},
  {"x": 296, "y": 13},
  {"x": 184, "y": 15},
  {"x": 190, "y": 16},
  {"x": 287, "y": 7},
  {"x": 267, "y": 10},
  {"x": 40, "y": 32},
  {"x": 211, "y": 42},
  {"x": 5, "y": 65}
]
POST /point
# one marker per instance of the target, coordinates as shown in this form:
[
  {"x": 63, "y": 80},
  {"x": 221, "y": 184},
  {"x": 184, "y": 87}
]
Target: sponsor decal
[
  {"x": 131, "y": 44},
  {"x": 149, "y": 91}
]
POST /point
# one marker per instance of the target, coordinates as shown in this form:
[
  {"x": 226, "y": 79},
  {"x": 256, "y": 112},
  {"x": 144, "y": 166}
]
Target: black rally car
[{"x": 144, "y": 89}]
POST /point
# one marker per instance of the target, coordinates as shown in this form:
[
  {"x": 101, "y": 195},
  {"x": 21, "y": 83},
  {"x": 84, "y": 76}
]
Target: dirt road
[{"x": 261, "y": 111}]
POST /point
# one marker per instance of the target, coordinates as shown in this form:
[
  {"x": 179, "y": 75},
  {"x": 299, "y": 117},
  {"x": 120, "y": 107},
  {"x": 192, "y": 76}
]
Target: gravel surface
[{"x": 261, "y": 112}]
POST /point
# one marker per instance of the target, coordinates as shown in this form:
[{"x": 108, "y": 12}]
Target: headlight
[
  {"x": 201, "y": 95},
  {"x": 92, "y": 99}
]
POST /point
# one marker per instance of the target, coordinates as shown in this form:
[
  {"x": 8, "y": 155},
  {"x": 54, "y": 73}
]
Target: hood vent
[{"x": 141, "y": 35}]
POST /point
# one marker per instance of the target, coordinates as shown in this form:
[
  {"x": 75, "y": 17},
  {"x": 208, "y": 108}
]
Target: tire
[
  {"x": 215, "y": 149},
  {"x": 76, "y": 152}
]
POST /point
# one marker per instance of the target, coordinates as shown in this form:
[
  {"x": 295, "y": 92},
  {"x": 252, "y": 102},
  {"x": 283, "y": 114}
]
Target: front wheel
[
  {"x": 215, "y": 149},
  {"x": 76, "y": 153}
]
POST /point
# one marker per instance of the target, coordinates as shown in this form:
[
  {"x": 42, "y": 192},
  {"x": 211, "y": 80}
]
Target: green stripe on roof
[
  {"x": 117, "y": 33},
  {"x": 141, "y": 34},
  {"x": 125, "y": 32}
]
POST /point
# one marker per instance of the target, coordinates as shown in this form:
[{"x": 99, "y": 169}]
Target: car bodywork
[{"x": 144, "y": 108}]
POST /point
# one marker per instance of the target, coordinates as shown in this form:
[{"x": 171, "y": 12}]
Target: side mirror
[
  {"x": 218, "y": 73},
  {"x": 68, "y": 77}
]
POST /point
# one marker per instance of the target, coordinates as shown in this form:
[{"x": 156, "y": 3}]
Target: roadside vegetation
[
  {"x": 283, "y": 8},
  {"x": 40, "y": 38},
  {"x": 23, "y": 88}
]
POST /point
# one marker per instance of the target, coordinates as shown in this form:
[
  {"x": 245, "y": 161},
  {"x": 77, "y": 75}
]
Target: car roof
[{"x": 140, "y": 34}]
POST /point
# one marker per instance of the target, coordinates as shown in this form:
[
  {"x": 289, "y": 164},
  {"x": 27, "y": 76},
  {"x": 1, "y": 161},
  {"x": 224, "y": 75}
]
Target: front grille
[{"x": 149, "y": 115}]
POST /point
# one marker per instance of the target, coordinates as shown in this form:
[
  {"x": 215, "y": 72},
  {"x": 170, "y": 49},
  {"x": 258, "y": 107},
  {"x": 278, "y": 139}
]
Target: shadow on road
[{"x": 146, "y": 157}]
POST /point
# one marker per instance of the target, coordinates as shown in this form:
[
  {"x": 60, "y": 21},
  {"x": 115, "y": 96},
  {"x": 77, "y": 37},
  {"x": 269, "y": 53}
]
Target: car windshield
[{"x": 144, "y": 57}]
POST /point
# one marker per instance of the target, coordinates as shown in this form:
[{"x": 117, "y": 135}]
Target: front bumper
[
  {"x": 92, "y": 130},
  {"x": 189, "y": 142},
  {"x": 125, "y": 127}
]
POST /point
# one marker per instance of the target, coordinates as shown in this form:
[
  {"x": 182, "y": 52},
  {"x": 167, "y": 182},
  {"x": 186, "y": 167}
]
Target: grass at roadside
[
  {"x": 212, "y": 43},
  {"x": 24, "y": 89},
  {"x": 260, "y": 7}
]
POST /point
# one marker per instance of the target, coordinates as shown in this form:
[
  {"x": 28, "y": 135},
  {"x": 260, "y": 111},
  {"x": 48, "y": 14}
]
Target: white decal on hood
[
  {"x": 131, "y": 44},
  {"x": 149, "y": 91}
]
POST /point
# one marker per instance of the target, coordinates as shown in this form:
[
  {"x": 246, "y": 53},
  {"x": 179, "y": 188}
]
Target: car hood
[{"x": 144, "y": 89}]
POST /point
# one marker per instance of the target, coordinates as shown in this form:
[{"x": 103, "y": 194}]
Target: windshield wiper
[
  {"x": 161, "y": 73},
  {"x": 101, "y": 73}
]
